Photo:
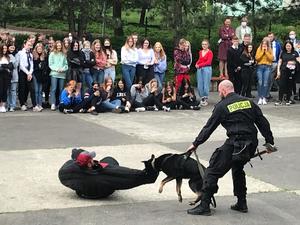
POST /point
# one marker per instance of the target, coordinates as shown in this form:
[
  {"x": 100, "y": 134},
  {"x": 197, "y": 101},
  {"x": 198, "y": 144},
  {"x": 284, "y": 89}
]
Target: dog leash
[{"x": 201, "y": 171}]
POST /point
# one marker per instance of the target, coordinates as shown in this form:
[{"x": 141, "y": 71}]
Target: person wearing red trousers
[{"x": 182, "y": 59}]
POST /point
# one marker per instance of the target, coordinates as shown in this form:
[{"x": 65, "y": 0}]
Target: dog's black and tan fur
[{"x": 178, "y": 166}]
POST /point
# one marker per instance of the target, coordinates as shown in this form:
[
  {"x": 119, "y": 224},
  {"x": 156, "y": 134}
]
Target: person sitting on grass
[
  {"x": 186, "y": 97},
  {"x": 69, "y": 98}
]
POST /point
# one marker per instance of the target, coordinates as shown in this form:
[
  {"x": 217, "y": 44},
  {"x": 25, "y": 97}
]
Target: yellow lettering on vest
[{"x": 239, "y": 106}]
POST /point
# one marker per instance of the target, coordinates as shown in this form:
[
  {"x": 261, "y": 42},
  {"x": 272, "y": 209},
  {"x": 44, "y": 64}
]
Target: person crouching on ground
[{"x": 69, "y": 98}]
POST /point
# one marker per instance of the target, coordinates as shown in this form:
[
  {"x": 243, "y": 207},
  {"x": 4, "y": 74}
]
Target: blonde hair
[
  {"x": 96, "y": 41},
  {"x": 36, "y": 54},
  {"x": 55, "y": 47},
  {"x": 126, "y": 45},
  {"x": 265, "y": 40},
  {"x": 85, "y": 43},
  {"x": 162, "y": 53}
]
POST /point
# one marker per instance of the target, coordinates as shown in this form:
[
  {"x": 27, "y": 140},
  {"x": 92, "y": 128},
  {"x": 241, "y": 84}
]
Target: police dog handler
[{"x": 238, "y": 115}]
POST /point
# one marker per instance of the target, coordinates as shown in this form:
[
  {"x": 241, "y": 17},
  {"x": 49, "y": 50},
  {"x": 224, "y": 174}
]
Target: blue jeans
[
  {"x": 60, "y": 87},
  {"x": 128, "y": 73},
  {"x": 98, "y": 75},
  {"x": 160, "y": 78},
  {"x": 263, "y": 76},
  {"x": 203, "y": 80},
  {"x": 12, "y": 95},
  {"x": 38, "y": 91},
  {"x": 87, "y": 78},
  {"x": 111, "y": 71},
  {"x": 110, "y": 105}
]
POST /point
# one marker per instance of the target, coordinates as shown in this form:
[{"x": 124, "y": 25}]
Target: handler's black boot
[
  {"x": 241, "y": 205},
  {"x": 203, "y": 208}
]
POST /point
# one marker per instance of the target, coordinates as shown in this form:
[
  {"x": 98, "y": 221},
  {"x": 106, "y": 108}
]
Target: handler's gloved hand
[
  {"x": 191, "y": 149},
  {"x": 270, "y": 148}
]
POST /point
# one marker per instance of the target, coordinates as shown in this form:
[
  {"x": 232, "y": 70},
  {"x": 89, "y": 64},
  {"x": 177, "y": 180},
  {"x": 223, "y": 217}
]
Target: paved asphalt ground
[{"x": 35, "y": 145}]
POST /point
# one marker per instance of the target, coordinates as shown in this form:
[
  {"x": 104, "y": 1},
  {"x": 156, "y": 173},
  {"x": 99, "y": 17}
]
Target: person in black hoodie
[
  {"x": 120, "y": 92},
  {"x": 88, "y": 62},
  {"x": 40, "y": 66},
  {"x": 248, "y": 63},
  {"x": 75, "y": 62},
  {"x": 234, "y": 64}
]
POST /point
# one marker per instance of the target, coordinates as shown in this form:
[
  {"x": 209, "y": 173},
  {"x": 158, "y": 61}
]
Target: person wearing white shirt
[
  {"x": 129, "y": 58},
  {"x": 25, "y": 76},
  {"x": 145, "y": 68}
]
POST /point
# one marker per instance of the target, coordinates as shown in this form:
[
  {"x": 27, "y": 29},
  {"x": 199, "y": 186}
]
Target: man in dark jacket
[
  {"x": 234, "y": 64},
  {"x": 238, "y": 115}
]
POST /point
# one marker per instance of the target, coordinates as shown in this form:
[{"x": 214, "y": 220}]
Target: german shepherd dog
[{"x": 178, "y": 166}]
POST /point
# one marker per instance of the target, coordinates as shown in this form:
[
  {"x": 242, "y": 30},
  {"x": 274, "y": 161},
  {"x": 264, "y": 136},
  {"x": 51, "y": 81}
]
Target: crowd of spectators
[{"x": 80, "y": 75}]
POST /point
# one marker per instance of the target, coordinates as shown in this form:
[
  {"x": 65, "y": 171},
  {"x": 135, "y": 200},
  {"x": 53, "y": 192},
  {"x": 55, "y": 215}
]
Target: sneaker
[
  {"x": 150, "y": 108},
  {"x": 155, "y": 108},
  {"x": 140, "y": 109},
  {"x": 292, "y": 102},
  {"x": 166, "y": 109},
  {"x": 260, "y": 101},
  {"x": 24, "y": 108},
  {"x": 126, "y": 109},
  {"x": 2, "y": 109},
  {"x": 288, "y": 103},
  {"x": 203, "y": 103},
  {"x": 53, "y": 107},
  {"x": 278, "y": 103},
  {"x": 11, "y": 109},
  {"x": 83, "y": 111},
  {"x": 40, "y": 107},
  {"x": 264, "y": 101},
  {"x": 68, "y": 111},
  {"x": 94, "y": 113},
  {"x": 36, "y": 109},
  {"x": 196, "y": 107},
  {"x": 117, "y": 110}
]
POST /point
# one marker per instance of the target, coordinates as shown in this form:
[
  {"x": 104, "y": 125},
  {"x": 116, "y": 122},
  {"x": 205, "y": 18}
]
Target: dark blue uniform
[{"x": 239, "y": 116}]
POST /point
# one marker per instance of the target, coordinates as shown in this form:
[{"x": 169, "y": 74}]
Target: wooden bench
[{"x": 215, "y": 83}]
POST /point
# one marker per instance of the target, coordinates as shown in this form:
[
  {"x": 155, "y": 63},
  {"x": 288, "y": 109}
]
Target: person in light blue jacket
[
  {"x": 59, "y": 65},
  {"x": 160, "y": 63},
  {"x": 12, "y": 89}
]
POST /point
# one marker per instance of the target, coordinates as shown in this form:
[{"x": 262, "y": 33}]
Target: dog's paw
[{"x": 160, "y": 190}]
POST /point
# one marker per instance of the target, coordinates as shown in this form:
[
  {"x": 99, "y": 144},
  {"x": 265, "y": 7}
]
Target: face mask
[
  {"x": 244, "y": 24},
  {"x": 292, "y": 36},
  {"x": 107, "y": 47}
]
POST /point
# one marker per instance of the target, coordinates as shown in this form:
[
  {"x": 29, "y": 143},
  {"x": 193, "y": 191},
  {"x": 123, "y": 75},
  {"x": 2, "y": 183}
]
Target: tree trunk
[
  {"x": 143, "y": 15},
  {"x": 71, "y": 16},
  {"x": 117, "y": 16},
  {"x": 178, "y": 21},
  {"x": 83, "y": 19}
]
